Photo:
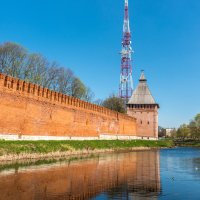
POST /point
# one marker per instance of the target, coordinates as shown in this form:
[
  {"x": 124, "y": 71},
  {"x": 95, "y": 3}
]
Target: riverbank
[
  {"x": 187, "y": 143},
  {"x": 20, "y": 150}
]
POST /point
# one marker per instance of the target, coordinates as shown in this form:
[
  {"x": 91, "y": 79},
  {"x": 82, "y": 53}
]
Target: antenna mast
[{"x": 126, "y": 80}]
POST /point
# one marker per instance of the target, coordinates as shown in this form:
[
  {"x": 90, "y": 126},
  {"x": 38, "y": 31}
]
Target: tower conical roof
[
  {"x": 142, "y": 94},
  {"x": 142, "y": 77}
]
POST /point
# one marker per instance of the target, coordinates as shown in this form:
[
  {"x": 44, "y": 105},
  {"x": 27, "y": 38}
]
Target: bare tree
[
  {"x": 35, "y": 68},
  {"x": 51, "y": 75},
  {"x": 98, "y": 102},
  {"x": 89, "y": 95},
  {"x": 12, "y": 59},
  {"x": 64, "y": 81}
]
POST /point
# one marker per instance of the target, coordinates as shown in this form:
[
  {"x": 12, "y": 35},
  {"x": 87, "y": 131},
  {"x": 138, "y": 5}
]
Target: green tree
[
  {"x": 174, "y": 133},
  {"x": 195, "y": 126},
  {"x": 183, "y": 131},
  {"x": 78, "y": 89},
  {"x": 114, "y": 103}
]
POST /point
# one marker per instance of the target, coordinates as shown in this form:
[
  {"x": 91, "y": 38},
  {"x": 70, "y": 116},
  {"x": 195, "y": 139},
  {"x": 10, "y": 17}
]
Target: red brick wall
[
  {"x": 146, "y": 120},
  {"x": 28, "y": 109}
]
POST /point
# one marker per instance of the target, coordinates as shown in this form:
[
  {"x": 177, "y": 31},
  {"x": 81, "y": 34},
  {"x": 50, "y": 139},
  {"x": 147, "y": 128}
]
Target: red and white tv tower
[{"x": 126, "y": 80}]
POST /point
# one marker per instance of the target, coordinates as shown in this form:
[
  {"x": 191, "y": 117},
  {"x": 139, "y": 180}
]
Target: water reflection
[
  {"x": 134, "y": 175},
  {"x": 180, "y": 172}
]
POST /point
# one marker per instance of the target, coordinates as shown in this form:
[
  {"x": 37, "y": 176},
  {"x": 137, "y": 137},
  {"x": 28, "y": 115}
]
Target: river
[{"x": 171, "y": 174}]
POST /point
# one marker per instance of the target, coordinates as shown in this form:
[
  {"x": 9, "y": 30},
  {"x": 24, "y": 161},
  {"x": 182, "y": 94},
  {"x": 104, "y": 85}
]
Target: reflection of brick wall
[
  {"x": 133, "y": 172},
  {"x": 28, "y": 109}
]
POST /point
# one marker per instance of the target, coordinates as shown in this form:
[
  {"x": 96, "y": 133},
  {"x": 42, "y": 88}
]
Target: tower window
[
  {"x": 141, "y": 121},
  {"x": 148, "y": 122}
]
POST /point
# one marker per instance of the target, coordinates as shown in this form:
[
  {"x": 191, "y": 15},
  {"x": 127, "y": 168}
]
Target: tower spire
[{"x": 126, "y": 81}]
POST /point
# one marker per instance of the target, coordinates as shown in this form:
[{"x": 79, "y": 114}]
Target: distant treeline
[
  {"x": 18, "y": 62},
  {"x": 191, "y": 130}
]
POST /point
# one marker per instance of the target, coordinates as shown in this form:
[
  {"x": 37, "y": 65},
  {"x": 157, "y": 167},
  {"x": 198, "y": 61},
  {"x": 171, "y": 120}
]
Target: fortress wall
[{"x": 27, "y": 109}]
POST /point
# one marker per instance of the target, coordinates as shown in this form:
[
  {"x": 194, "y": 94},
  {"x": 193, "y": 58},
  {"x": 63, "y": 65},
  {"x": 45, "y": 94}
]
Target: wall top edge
[{"x": 21, "y": 82}]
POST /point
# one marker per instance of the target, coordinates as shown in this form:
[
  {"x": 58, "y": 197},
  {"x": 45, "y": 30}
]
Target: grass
[
  {"x": 43, "y": 147},
  {"x": 26, "y": 163}
]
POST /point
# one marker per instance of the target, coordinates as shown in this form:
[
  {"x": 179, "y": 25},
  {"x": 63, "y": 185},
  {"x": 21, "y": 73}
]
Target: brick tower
[{"x": 143, "y": 107}]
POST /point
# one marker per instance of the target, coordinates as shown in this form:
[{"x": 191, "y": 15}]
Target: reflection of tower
[
  {"x": 147, "y": 180},
  {"x": 126, "y": 81}
]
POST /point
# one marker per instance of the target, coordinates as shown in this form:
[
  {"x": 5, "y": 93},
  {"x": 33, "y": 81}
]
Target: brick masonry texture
[
  {"x": 29, "y": 109},
  {"x": 144, "y": 108},
  {"x": 146, "y": 120}
]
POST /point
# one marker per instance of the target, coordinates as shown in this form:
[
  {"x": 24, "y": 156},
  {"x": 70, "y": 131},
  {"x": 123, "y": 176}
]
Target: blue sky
[{"x": 85, "y": 35}]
